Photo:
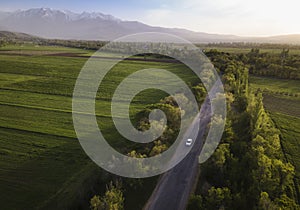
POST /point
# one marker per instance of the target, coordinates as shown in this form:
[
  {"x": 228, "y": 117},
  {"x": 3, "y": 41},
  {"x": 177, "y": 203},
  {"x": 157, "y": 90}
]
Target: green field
[
  {"x": 28, "y": 48},
  {"x": 276, "y": 86},
  {"x": 37, "y": 164},
  {"x": 290, "y": 135},
  {"x": 285, "y": 112},
  {"x": 39, "y": 152},
  {"x": 286, "y": 105}
]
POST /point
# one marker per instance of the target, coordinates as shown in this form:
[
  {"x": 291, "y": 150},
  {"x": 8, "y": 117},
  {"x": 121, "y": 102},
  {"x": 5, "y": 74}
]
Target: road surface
[{"x": 174, "y": 187}]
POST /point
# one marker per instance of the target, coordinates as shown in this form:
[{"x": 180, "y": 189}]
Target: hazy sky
[{"x": 240, "y": 17}]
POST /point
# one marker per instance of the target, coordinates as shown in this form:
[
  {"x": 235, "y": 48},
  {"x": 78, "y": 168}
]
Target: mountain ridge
[{"x": 65, "y": 24}]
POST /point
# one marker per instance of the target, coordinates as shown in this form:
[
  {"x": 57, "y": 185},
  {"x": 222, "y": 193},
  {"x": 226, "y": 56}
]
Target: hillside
[
  {"x": 51, "y": 23},
  {"x": 17, "y": 36}
]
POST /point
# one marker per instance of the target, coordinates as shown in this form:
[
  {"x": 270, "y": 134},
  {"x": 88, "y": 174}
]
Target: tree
[
  {"x": 219, "y": 198},
  {"x": 195, "y": 202},
  {"x": 283, "y": 55},
  {"x": 248, "y": 169},
  {"x": 200, "y": 93},
  {"x": 265, "y": 202},
  {"x": 96, "y": 203},
  {"x": 158, "y": 148},
  {"x": 286, "y": 203},
  {"x": 3, "y": 43},
  {"x": 112, "y": 200}
]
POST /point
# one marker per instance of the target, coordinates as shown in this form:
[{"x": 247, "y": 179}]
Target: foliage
[
  {"x": 281, "y": 65},
  {"x": 218, "y": 198},
  {"x": 112, "y": 200},
  {"x": 248, "y": 170},
  {"x": 265, "y": 203},
  {"x": 195, "y": 202}
]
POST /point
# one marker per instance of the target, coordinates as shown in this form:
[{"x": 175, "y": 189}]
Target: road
[{"x": 174, "y": 187}]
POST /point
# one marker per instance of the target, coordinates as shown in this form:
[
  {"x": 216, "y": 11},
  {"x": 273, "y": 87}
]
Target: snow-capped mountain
[
  {"x": 44, "y": 14},
  {"x": 52, "y": 14},
  {"x": 64, "y": 24},
  {"x": 96, "y": 15},
  {"x": 51, "y": 23}
]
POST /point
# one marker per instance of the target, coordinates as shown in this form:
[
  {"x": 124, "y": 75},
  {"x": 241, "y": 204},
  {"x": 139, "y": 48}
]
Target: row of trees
[
  {"x": 248, "y": 169},
  {"x": 249, "y": 45},
  {"x": 272, "y": 176}
]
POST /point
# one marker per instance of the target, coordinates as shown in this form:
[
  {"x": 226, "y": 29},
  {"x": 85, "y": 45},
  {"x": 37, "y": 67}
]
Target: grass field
[
  {"x": 275, "y": 86},
  {"x": 285, "y": 112},
  {"x": 31, "y": 47},
  {"x": 289, "y": 127},
  {"x": 39, "y": 152},
  {"x": 286, "y": 105},
  {"x": 37, "y": 164}
]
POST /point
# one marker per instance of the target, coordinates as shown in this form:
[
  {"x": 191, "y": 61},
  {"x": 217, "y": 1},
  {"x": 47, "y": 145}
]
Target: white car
[{"x": 189, "y": 142}]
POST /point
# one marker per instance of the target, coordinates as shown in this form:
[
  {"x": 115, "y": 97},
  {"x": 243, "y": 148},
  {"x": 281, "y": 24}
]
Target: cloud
[{"x": 256, "y": 17}]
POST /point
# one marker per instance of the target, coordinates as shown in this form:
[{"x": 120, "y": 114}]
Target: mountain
[{"x": 51, "y": 23}]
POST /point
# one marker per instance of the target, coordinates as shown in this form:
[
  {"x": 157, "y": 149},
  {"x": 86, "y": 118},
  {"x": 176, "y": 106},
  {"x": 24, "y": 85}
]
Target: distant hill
[
  {"x": 50, "y": 23},
  {"x": 292, "y": 39},
  {"x": 17, "y": 36}
]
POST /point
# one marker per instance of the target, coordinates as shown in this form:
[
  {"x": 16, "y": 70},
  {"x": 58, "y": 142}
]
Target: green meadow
[{"x": 39, "y": 151}]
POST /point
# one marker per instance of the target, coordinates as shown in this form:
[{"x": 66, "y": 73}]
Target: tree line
[
  {"x": 248, "y": 169},
  {"x": 280, "y": 65}
]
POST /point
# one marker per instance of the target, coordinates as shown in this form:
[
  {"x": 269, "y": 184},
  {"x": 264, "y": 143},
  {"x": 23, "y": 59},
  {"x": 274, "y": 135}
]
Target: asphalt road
[{"x": 174, "y": 187}]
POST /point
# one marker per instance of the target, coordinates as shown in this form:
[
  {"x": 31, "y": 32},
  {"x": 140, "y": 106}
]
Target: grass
[
  {"x": 290, "y": 135},
  {"x": 51, "y": 66},
  {"x": 58, "y": 76},
  {"x": 43, "y": 121},
  {"x": 41, "y": 162},
  {"x": 7, "y": 79},
  {"x": 275, "y": 86},
  {"x": 31, "y": 47},
  {"x": 34, "y": 166},
  {"x": 286, "y": 105}
]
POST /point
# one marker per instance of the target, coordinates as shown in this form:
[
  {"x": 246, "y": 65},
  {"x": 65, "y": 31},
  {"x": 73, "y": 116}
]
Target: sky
[{"x": 238, "y": 17}]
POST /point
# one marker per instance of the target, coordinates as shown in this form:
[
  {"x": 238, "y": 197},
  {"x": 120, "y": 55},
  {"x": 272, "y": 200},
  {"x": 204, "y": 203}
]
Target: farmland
[
  {"x": 276, "y": 86},
  {"x": 39, "y": 152},
  {"x": 281, "y": 99},
  {"x": 289, "y": 128}
]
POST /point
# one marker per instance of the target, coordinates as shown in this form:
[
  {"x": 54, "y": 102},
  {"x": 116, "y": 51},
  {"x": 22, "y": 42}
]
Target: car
[{"x": 189, "y": 142}]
